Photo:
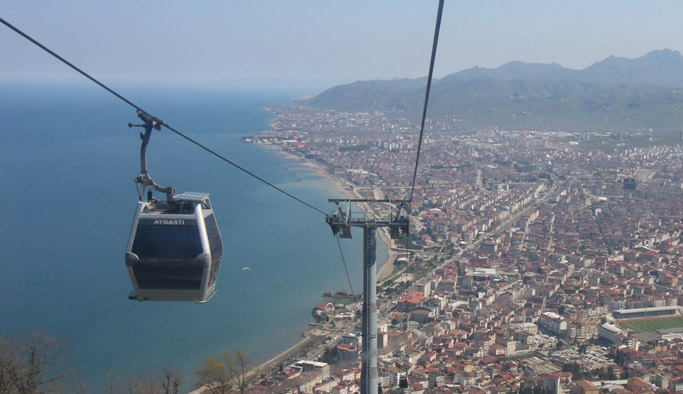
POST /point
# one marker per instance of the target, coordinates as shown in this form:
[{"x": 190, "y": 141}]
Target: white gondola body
[{"x": 174, "y": 251}]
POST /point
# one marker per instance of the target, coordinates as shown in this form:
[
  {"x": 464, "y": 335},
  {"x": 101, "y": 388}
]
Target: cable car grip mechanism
[{"x": 144, "y": 180}]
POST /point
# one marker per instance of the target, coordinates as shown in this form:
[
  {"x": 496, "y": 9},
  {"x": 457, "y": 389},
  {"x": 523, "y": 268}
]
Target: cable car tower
[{"x": 341, "y": 223}]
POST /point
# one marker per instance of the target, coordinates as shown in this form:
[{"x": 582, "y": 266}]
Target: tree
[
  {"x": 110, "y": 382},
  {"x": 238, "y": 364},
  {"x": 329, "y": 356},
  {"x": 214, "y": 375},
  {"x": 172, "y": 381},
  {"x": 32, "y": 363},
  {"x": 151, "y": 384},
  {"x": 220, "y": 374},
  {"x": 167, "y": 382},
  {"x": 132, "y": 385}
]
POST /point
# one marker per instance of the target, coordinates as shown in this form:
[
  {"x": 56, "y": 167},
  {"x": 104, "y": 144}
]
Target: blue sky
[{"x": 317, "y": 43}]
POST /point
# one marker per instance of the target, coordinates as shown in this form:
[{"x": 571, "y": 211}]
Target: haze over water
[{"x": 68, "y": 160}]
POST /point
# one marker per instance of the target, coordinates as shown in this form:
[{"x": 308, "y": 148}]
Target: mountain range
[{"x": 616, "y": 94}]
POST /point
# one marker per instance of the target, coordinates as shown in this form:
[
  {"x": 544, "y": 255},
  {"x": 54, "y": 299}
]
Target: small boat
[{"x": 245, "y": 268}]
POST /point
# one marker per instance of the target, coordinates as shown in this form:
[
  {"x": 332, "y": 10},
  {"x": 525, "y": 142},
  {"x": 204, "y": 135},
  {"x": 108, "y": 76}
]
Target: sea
[{"x": 67, "y": 198}]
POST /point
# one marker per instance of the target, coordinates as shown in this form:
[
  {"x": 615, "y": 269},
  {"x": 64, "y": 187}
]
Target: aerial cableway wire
[
  {"x": 426, "y": 101},
  {"x": 244, "y": 170},
  {"x": 348, "y": 277},
  {"x": 46, "y": 49},
  {"x": 161, "y": 122}
]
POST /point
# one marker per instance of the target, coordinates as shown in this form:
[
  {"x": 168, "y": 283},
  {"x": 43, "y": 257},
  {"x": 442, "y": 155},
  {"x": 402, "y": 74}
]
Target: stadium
[{"x": 660, "y": 322}]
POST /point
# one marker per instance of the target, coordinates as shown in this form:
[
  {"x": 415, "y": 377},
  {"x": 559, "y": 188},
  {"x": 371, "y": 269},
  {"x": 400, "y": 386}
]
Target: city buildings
[{"x": 528, "y": 250}]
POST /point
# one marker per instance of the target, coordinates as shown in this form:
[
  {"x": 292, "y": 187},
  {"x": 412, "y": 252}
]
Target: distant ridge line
[{"x": 615, "y": 94}]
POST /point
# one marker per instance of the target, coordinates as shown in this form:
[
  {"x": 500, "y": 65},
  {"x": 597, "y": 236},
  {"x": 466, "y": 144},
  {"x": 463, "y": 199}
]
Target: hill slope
[{"x": 614, "y": 94}]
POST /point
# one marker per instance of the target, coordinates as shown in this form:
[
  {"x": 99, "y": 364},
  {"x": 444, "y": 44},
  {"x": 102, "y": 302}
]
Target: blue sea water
[{"x": 67, "y": 160}]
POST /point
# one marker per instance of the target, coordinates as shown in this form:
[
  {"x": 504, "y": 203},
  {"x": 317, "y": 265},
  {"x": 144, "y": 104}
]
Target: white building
[
  {"x": 552, "y": 322},
  {"x": 611, "y": 333}
]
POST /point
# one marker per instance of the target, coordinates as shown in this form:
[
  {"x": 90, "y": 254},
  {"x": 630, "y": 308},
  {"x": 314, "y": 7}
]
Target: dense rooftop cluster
[{"x": 527, "y": 252}]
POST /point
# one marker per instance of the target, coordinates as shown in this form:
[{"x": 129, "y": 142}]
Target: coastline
[
  {"x": 383, "y": 273},
  {"x": 384, "y": 269},
  {"x": 271, "y": 365}
]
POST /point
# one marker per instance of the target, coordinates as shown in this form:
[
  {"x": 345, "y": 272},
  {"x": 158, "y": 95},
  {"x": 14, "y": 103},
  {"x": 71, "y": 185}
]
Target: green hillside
[{"x": 613, "y": 95}]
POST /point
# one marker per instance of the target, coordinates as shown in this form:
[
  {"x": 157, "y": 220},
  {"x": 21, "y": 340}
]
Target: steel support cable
[
  {"x": 207, "y": 149},
  {"x": 105, "y": 87},
  {"x": 429, "y": 85},
  {"x": 46, "y": 49},
  {"x": 348, "y": 277}
]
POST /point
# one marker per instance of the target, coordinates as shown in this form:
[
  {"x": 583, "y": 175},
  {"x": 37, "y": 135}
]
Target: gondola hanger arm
[{"x": 147, "y": 184}]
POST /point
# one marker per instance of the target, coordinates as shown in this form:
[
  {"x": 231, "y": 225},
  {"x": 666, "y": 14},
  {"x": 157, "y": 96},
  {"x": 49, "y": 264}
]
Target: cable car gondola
[{"x": 174, "y": 250}]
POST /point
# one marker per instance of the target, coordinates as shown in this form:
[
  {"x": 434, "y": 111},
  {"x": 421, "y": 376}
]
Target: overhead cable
[
  {"x": 348, "y": 277},
  {"x": 162, "y": 123},
  {"x": 426, "y": 101}
]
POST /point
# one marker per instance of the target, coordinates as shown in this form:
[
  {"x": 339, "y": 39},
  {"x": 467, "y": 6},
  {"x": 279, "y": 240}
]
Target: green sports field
[{"x": 649, "y": 325}]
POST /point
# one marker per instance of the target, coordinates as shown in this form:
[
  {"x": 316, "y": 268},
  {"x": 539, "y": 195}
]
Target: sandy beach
[
  {"x": 386, "y": 268},
  {"x": 349, "y": 191}
]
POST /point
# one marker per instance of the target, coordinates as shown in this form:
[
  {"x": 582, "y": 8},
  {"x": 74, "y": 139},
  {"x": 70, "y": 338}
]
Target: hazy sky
[{"x": 317, "y": 43}]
